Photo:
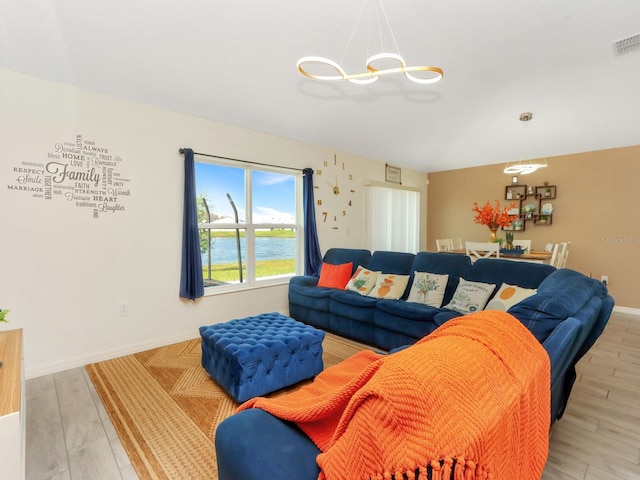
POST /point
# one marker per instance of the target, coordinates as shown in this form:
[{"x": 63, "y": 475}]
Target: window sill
[{"x": 241, "y": 287}]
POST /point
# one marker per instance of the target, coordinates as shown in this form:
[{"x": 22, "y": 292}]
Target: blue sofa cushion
[
  {"x": 443, "y": 317},
  {"x": 561, "y": 295},
  {"x": 523, "y": 274},
  {"x": 314, "y": 298},
  {"x": 353, "y": 306},
  {"x": 408, "y": 310},
  {"x": 411, "y": 319},
  {"x": 339, "y": 256},
  {"x": 391, "y": 262}
]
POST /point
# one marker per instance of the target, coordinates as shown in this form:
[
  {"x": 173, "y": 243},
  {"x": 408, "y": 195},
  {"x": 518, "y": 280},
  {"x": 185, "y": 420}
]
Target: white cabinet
[{"x": 12, "y": 406}]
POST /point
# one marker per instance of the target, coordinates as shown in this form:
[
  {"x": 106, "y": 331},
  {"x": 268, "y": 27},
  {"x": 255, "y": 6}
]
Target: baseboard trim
[
  {"x": 81, "y": 361},
  {"x": 70, "y": 363},
  {"x": 627, "y": 310}
]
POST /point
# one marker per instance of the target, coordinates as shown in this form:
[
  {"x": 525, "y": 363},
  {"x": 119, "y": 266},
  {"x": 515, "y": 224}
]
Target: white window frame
[{"x": 250, "y": 282}]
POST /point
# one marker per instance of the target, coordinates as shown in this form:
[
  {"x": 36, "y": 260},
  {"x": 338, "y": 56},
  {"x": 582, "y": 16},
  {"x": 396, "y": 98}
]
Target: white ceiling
[{"x": 234, "y": 61}]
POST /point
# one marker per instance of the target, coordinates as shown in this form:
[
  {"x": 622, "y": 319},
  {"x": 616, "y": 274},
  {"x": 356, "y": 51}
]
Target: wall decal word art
[{"x": 82, "y": 173}]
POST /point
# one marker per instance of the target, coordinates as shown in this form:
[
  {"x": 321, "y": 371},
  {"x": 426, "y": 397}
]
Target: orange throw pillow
[{"x": 335, "y": 276}]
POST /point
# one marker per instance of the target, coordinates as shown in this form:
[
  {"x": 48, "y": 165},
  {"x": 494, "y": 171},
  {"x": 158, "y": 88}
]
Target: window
[
  {"x": 248, "y": 219},
  {"x": 393, "y": 219}
]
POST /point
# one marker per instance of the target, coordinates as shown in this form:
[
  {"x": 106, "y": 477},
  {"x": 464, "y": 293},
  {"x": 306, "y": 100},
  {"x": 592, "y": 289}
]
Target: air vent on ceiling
[{"x": 627, "y": 45}]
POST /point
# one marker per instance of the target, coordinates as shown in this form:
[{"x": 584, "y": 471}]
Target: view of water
[{"x": 224, "y": 250}]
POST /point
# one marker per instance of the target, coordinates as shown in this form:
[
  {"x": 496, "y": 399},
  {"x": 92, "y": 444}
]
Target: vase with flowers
[{"x": 493, "y": 217}]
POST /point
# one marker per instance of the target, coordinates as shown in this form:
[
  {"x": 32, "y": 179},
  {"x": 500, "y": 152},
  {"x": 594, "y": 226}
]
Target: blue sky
[{"x": 273, "y": 193}]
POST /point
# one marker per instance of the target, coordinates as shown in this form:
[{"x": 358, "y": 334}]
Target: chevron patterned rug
[{"x": 165, "y": 406}]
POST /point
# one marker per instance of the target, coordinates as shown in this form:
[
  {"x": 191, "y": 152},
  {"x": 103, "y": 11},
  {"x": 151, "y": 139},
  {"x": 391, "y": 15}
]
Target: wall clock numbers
[{"x": 335, "y": 191}]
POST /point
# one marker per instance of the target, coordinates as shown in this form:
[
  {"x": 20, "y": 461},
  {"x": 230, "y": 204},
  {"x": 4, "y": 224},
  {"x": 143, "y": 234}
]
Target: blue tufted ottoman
[{"x": 257, "y": 355}]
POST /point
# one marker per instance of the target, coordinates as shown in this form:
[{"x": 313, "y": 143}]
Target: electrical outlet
[
  {"x": 123, "y": 309},
  {"x": 605, "y": 279}
]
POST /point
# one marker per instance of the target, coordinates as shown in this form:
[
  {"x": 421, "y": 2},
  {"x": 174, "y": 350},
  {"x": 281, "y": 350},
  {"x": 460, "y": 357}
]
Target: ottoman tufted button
[{"x": 253, "y": 356}]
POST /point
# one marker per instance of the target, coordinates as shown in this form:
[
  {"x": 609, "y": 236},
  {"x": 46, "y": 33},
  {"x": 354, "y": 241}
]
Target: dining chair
[
  {"x": 477, "y": 250},
  {"x": 457, "y": 243},
  {"x": 444, "y": 244},
  {"x": 562, "y": 260},
  {"x": 554, "y": 255},
  {"x": 523, "y": 244}
]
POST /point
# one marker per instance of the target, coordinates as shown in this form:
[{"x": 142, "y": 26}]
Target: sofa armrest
[
  {"x": 561, "y": 345},
  {"x": 304, "y": 280},
  {"x": 254, "y": 445}
]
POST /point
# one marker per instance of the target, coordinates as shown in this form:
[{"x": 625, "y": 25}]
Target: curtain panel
[
  {"x": 312, "y": 254},
  {"x": 393, "y": 219},
  {"x": 191, "y": 283}
]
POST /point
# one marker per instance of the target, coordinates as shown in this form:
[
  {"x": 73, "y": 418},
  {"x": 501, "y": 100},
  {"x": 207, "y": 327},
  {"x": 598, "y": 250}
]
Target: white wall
[{"x": 65, "y": 273}]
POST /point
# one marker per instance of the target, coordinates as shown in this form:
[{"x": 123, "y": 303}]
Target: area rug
[{"x": 165, "y": 407}]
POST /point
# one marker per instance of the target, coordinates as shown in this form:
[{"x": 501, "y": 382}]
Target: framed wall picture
[{"x": 392, "y": 174}]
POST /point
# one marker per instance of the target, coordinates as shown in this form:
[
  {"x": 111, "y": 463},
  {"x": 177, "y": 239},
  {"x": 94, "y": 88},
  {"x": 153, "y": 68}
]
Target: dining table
[{"x": 532, "y": 256}]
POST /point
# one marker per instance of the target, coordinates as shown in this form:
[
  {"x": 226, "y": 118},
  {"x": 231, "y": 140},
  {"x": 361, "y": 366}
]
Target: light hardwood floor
[
  {"x": 599, "y": 435},
  {"x": 69, "y": 435}
]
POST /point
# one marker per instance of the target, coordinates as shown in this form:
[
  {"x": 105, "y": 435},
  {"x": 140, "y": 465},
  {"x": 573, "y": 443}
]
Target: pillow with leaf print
[
  {"x": 470, "y": 297},
  {"x": 362, "y": 280},
  {"x": 428, "y": 289}
]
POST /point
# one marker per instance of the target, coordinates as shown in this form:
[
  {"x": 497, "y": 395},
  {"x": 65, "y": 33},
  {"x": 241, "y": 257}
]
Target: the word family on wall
[{"x": 80, "y": 173}]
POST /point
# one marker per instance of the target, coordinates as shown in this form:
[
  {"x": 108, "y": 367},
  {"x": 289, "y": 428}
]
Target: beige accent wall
[{"x": 595, "y": 209}]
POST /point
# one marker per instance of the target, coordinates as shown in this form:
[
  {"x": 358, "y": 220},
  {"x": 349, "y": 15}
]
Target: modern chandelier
[
  {"x": 524, "y": 167},
  {"x": 376, "y": 65}
]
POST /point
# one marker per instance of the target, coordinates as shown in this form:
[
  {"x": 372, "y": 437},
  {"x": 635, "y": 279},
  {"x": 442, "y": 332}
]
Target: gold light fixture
[
  {"x": 524, "y": 167},
  {"x": 376, "y": 65}
]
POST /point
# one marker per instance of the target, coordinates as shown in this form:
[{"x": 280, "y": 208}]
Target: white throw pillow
[
  {"x": 508, "y": 296},
  {"x": 428, "y": 288},
  {"x": 470, "y": 297},
  {"x": 362, "y": 280},
  {"x": 389, "y": 286}
]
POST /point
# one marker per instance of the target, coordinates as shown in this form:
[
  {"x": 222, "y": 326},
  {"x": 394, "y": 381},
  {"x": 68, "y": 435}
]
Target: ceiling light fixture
[
  {"x": 524, "y": 167},
  {"x": 377, "y": 65}
]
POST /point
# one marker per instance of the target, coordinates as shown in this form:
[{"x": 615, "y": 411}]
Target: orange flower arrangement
[{"x": 493, "y": 217}]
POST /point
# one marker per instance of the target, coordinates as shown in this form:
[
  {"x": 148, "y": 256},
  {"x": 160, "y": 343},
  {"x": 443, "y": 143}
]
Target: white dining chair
[
  {"x": 523, "y": 244},
  {"x": 477, "y": 250},
  {"x": 554, "y": 255},
  {"x": 444, "y": 244},
  {"x": 457, "y": 243},
  {"x": 562, "y": 260}
]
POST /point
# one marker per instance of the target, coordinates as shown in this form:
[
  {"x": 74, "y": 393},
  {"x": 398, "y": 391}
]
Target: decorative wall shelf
[{"x": 543, "y": 213}]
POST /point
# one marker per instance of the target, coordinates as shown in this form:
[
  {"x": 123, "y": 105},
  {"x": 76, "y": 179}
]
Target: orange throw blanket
[{"x": 472, "y": 398}]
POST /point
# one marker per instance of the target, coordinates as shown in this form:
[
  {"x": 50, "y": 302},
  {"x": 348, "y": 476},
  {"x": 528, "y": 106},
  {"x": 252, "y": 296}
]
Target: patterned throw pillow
[
  {"x": 428, "y": 289},
  {"x": 508, "y": 296},
  {"x": 389, "y": 286},
  {"x": 362, "y": 280},
  {"x": 335, "y": 276},
  {"x": 470, "y": 296}
]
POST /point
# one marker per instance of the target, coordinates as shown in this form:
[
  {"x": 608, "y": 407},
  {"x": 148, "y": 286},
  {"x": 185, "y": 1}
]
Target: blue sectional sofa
[
  {"x": 567, "y": 313},
  {"x": 388, "y": 324}
]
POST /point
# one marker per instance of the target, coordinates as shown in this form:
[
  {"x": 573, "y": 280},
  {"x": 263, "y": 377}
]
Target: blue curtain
[
  {"x": 191, "y": 284},
  {"x": 312, "y": 255}
]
